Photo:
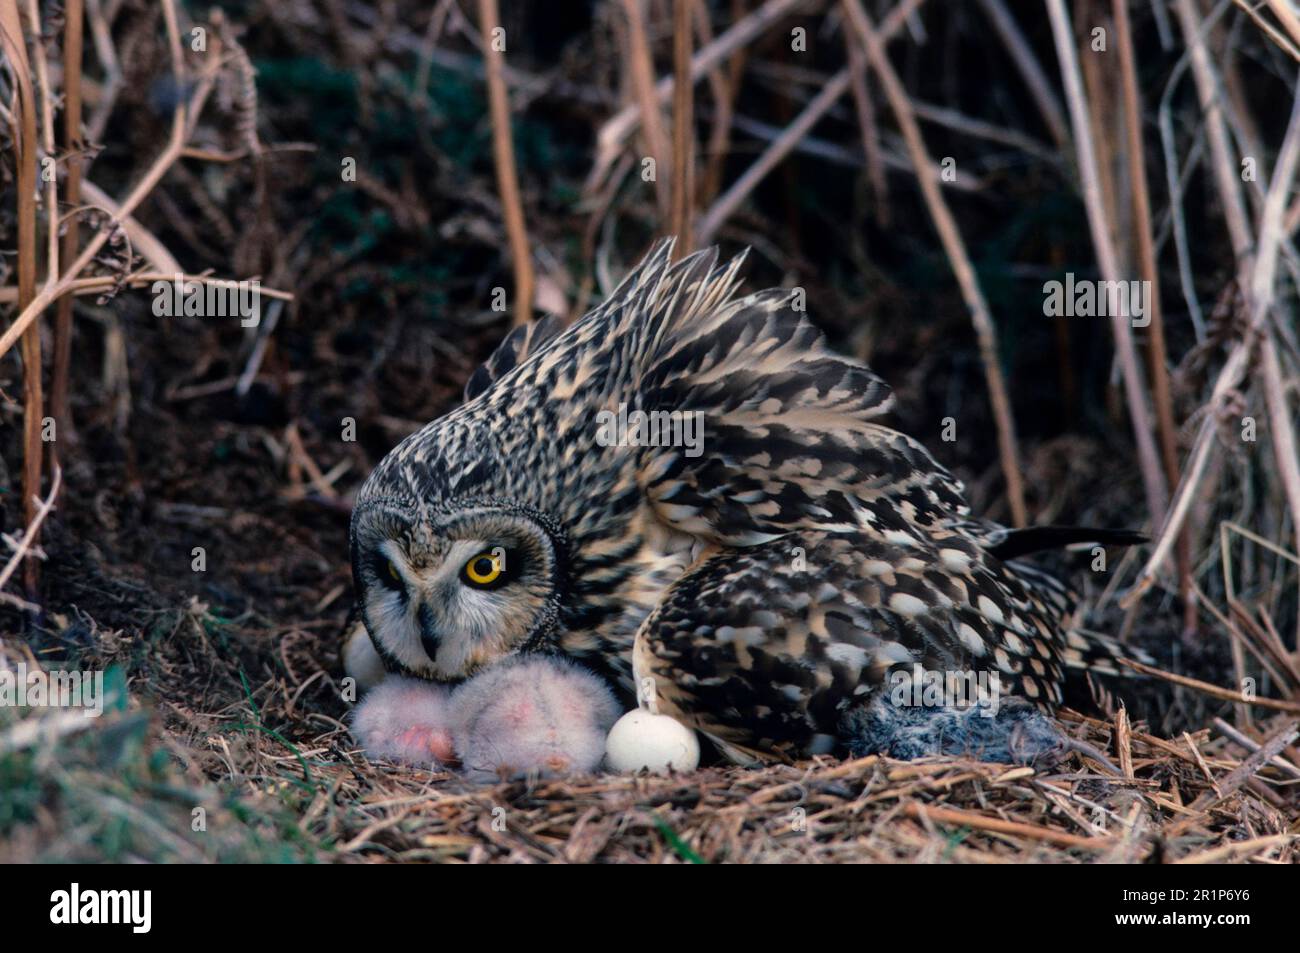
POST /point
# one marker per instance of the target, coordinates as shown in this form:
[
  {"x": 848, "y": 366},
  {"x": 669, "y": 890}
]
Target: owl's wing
[
  {"x": 521, "y": 343},
  {"x": 789, "y": 437},
  {"x": 767, "y": 648}
]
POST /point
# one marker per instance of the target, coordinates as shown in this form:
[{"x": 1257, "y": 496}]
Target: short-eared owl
[{"x": 765, "y": 576}]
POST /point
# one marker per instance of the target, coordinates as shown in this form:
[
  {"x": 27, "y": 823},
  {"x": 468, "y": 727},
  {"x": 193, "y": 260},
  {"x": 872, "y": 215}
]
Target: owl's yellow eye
[
  {"x": 392, "y": 571},
  {"x": 484, "y": 569}
]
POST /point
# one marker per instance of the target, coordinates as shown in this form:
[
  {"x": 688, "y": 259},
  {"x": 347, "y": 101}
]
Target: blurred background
[{"x": 921, "y": 169}]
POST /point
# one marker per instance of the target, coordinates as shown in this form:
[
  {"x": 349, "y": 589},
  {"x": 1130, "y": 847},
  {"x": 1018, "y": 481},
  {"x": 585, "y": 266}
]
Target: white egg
[{"x": 642, "y": 739}]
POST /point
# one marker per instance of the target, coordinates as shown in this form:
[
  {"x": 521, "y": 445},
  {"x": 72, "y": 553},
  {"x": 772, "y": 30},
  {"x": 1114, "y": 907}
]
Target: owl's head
[
  {"x": 514, "y": 523},
  {"x": 449, "y": 591}
]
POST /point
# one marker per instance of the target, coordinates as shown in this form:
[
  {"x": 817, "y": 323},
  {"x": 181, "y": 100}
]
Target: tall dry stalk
[
  {"x": 1146, "y": 257},
  {"x": 72, "y": 50},
  {"x": 726, "y": 87},
  {"x": 683, "y": 171},
  {"x": 503, "y": 153},
  {"x": 955, "y": 248},
  {"x": 615, "y": 131},
  {"x": 1107, "y": 258},
  {"x": 25, "y": 149},
  {"x": 869, "y": 128},
  {"x": 641, "y": 65},
  {"x": 53, "y": 289}
]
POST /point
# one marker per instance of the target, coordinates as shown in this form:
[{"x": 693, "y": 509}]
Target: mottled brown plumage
[{"x": 766, "y": 584}]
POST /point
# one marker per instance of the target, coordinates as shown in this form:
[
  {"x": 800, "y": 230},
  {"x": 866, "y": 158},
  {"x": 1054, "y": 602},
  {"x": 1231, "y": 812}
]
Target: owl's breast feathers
[{"x": 842, "y": 547}]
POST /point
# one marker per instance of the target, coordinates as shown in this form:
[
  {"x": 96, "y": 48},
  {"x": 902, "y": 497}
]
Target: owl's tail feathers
[
  {"x": 1094, "y": 677},
  {"x": 1098, "y": 654},
  {"x": 1085, "y": 649},
  {"x": 1019, "y": 542}
]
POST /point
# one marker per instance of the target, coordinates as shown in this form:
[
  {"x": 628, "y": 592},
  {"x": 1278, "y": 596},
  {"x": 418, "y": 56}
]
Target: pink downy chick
[
  {"x": 538, "y": 715},
  {"x": 406, "y": 719}
]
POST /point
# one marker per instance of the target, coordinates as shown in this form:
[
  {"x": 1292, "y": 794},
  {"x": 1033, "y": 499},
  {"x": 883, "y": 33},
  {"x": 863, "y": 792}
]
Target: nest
[
  {"x": 1195, "y": 800},
  {"x": 271, "y": 767}
]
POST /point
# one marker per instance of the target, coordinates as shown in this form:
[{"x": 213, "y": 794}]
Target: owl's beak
[{"x": 429, "y": 637}]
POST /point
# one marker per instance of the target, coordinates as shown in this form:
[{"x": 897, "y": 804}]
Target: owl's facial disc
[{"x": 444, "y": 596}]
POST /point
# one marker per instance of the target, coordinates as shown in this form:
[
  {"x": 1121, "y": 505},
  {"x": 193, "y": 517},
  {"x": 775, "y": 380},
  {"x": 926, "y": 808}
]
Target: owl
[{"x": 689, "y": 494}]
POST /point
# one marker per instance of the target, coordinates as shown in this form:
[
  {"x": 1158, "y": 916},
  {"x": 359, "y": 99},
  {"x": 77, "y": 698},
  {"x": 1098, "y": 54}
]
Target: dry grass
[
  {"x": 301, "y": 791},
  {"x": 868, "y": 810}
]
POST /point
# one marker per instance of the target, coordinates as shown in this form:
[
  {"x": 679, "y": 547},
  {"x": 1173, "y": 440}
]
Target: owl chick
[
  {"x": 538, "y": 715},
  {"x": 532, "y": 716},
  {"x": 406, "y": 719},
  {"x": 747, "y": 542}
]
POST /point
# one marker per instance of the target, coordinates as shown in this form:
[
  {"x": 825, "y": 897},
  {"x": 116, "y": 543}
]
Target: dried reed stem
[
  {"x": 72, "y": 49},
  {"x": 726, "y": 86},
  {"x": 1285, "y": 11},
  {"x": 1224, "y": 166},
  {"x": 683, "y": 171},
  {"x": 1049, "y": 107},
  {"x": 1146, "y": 256},
  {"x": 1258, "y": 276},
  {"x": 1214, "y": 691},
  {"x": 24, "y": 546},
  {"x": 171, "y": 152},
  {"x": 788, "y": 138},
  {"x": 641, "y": 66},
  {"x": 616, "y": 130},
  {"x": 955, "y": 249},
  {"x": 1108, "y": 260},
  {"x": 503, "y": 153},
  {"x": 727, "y": 203},
  {"x": 979, "y": 822},
  {"x": 11, "y": 34},
  {"x": 866, "y": 110}
]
